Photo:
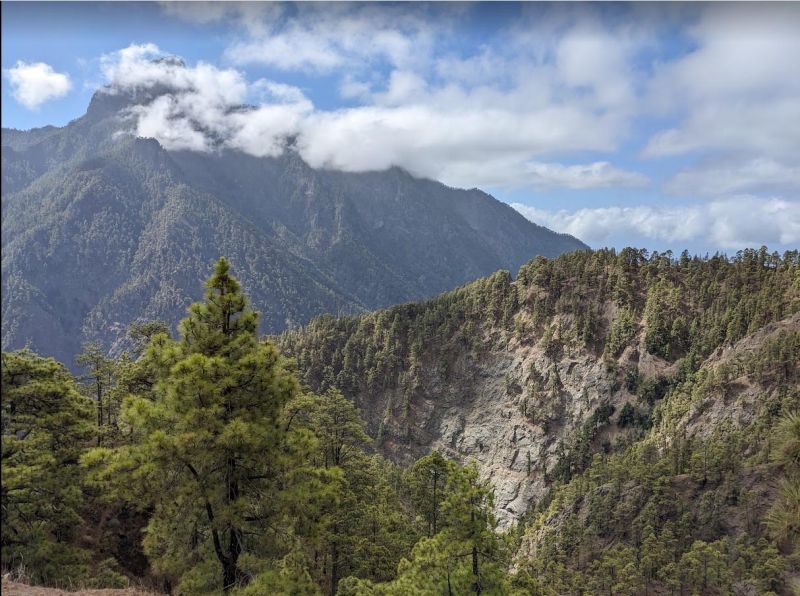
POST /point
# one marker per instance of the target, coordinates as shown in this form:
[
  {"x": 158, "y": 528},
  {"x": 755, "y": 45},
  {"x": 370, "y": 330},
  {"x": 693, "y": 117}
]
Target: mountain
[
  {"x": 100, "y": 228},
  {"x": 612, "y": 399}
]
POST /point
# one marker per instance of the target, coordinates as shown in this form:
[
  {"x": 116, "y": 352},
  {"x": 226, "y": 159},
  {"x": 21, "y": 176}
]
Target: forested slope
[{"x": 609, "y": 398}]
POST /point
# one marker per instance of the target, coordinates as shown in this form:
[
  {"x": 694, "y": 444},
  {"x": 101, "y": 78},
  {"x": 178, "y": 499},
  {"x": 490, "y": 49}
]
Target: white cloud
[
  {"x": 463, "y": 137},
  {"x": 560, "y": 83},
  {"x": 468, "y": 120},
  {"x": 484, "y": 67},
  {"x": 404, "y": 88},
  {"x": 352, "y": 88},
  {"x": 596, "y": 225},
  {"x": 591, "y": 57},
  {"x": 256, "y": 17},
  {"x": 760, "y": 128},
  {"x": 33, "y": 84},
  {"x": 200, "y": 12},
  {"x": 326, "y": 37},
  {"x": 201, "y": 108},
  {"x": 263, "y": 131},
  {"x": 720, "y": 178},
  {"x": 541, "y": 176},
  {"x": 161, "y": 120},
  {"x": 729, "y": 223},
  {"x": 145, "y": 67},
  {"x": 738, "y": 89},
  {"x": 600, "y": 174},
  {"x": 473, "y": 144}
]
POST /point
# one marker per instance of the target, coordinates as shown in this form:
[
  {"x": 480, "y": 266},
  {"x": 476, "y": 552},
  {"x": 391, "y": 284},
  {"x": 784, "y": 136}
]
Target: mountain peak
[{"x": 112, "y": 101}]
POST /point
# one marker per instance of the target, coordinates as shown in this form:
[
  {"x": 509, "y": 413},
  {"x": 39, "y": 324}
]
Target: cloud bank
[
  {"x": 735, "y": 176},
  {"x": 464, "y": 137},
  {"x": 33, "y": 84},
  {"x": 731, "y": 223}
]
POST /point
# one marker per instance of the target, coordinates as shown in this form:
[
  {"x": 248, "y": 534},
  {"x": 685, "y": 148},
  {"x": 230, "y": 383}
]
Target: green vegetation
[
  {"x": 680, "y": 513},
  {"x": 783, "y": 518},
  {"x": 596, "y": 528},
  {"x": 238, "y": 479},
  {"x": 592, "y": 300},
  {"x": 45, "y": 424},
  {"x": 212, "y": 463}
]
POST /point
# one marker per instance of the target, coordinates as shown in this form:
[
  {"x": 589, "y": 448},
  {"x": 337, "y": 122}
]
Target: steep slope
[
  {"x": 531, "y": 377},
  {"x": 687, "y": 507},
  {"x": 100, "y": 227}
]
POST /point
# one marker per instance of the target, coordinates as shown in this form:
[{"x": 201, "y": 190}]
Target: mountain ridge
[{"x": 100, "y": 227}]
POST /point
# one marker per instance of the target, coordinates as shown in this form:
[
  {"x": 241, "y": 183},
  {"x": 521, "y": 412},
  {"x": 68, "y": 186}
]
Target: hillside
[
  {"x": 574, "y": 369},
  {"x": 100, "y": 228},
  {"x": 506, "y": 371}
]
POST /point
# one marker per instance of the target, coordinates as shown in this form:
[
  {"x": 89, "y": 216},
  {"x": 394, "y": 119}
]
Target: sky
[{"x": 656, "y": 125}]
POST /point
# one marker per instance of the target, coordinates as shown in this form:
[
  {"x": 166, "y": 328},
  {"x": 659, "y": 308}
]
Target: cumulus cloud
[
  {"x": 738, "y": 89},
  {"x": 592, "y": 57},
  {"x": 432, "y": 140},
  {"x": 33, "y": 84},
  {"x": 566, "y": 83},
  {"x": 202, "y": 108},
  {"x": 731, "y": 223},
  {"x": 143, "y": 67},
  {"x": 465, "y": 137}
]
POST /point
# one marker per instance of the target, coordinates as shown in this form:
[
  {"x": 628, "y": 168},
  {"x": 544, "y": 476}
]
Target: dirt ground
[{"x": 16, "y": 589}]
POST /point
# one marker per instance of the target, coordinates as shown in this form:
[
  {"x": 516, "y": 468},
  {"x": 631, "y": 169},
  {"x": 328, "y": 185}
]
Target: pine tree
[
  {"x": 339, "y": 431},
  {"x": 97, "y": 384},
  {"x": 428, "y": 482},
  {"x": 209, "y": 452},
  {"x": 45, "y": 424},
  {"x": 470, "y": 523},
  {"x": 783, "y": 518}
]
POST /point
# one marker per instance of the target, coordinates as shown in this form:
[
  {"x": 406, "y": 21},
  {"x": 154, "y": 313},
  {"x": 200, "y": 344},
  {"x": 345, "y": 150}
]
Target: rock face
[
  {"x": 742, "y": 395},
  {"x": 100, "y": 228},
  {"x": 484, "y": 412},
  {"x": 480, "y": 412}
]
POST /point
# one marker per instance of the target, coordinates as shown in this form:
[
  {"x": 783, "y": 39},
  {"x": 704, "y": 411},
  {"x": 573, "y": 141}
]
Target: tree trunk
[
  {"x": 434, "y": 509},
  {"x": 230, "y": 566},
  {"x": 476, "y": 587},
  {"x": 334, "y": 562},
  {"x": 229, "y": 573},
  {"x": 99, "y": 389}
]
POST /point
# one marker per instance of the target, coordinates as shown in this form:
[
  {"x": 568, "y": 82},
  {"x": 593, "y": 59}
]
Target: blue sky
[{"x": 655, "y": 125}]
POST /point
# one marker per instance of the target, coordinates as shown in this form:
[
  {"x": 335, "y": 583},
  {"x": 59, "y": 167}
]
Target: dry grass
[{"x": 12, "y": 588}]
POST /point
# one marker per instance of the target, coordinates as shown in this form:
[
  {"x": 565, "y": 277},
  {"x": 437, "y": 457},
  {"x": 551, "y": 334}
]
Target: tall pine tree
[{"x": 209, "y": 451}]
